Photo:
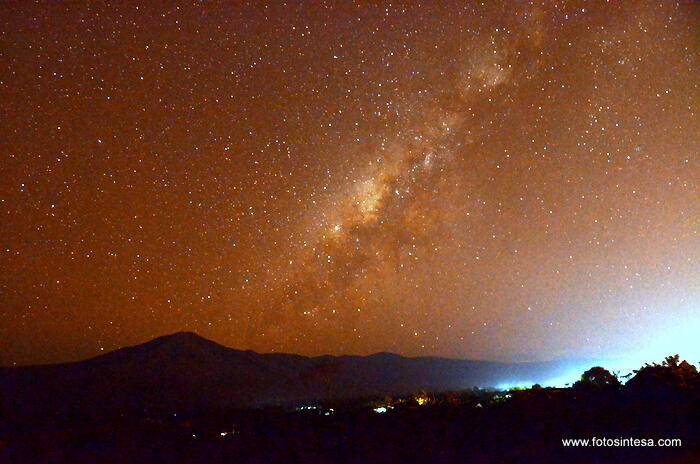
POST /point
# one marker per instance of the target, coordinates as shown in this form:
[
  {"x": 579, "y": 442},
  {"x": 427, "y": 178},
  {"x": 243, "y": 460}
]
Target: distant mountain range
[{"x": 184, "y": 371}]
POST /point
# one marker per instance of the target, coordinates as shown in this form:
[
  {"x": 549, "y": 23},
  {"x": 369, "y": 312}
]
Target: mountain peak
[
  {"x": 182, "y": 337},
  {"x": 188, "y": 341}
]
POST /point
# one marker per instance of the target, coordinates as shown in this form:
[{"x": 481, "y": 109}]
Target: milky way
[{"x": 493, "y": 180}]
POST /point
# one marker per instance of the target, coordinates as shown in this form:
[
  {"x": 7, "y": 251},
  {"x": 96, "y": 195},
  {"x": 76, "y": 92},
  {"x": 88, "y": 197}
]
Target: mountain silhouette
[{"x": 185, "y": 371}]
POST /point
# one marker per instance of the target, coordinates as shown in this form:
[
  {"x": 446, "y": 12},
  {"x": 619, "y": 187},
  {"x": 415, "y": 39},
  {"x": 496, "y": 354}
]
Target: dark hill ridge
[{"x": 186, "y": 371}]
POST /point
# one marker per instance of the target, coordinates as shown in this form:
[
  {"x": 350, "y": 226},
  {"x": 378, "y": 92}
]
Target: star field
[{"x": 485, "y": 180}]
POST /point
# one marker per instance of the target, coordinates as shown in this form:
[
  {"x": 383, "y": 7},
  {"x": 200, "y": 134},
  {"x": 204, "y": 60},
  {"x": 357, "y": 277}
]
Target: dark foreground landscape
[{"x": 182, "y": 398}]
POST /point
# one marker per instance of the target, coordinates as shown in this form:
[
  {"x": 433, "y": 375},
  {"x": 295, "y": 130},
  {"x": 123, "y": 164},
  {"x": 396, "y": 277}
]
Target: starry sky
[{"x": 492, "y": 180}]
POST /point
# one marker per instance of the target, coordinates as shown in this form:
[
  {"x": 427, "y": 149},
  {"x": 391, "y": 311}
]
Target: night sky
[{"x": 485, "y": 180}]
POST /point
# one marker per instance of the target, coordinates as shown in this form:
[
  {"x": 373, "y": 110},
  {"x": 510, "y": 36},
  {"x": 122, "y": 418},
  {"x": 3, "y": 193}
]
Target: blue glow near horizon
[
  {"x": 671, "y": 336},
  {"x": 557, "y": 382}
]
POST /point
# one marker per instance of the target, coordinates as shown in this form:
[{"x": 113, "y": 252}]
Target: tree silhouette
[
  {"x": 597, "y": 379},
  {"x": 672, "y": 375}
]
